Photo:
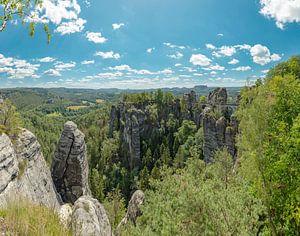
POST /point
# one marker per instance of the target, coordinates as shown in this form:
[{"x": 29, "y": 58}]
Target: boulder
[
  {"x": 89, "y": 218},
  {"x": 70, "y": 165}
]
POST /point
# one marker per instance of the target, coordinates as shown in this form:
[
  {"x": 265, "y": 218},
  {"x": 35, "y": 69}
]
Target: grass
[
  {"x": 22, "y": 167},
  {"x": 24, "y": 218}
]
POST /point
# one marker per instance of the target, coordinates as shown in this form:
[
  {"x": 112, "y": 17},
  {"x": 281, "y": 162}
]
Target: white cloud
[
  {"x": 52, "y": 72},
  {"x": 177, "y": 55},
  {"x": 261, "y": 55},
  {"x": 282, "y": 11},
  {"x": 200, "y": 60},
  {"x": 108, "y": 55},
  {"x": 265, "y": 71},
  {"x": 150, "y": 50},
  {"x": 117, "y": 26},
  {"x": 227, "y": 51},
  {"x": 198, "y": 74},
  {"x": 178, "y": 64},
  {"x": 216, "y": 67},
  {"x": 220, "y": 35},
  {"x": 71, "y": 26},
  {"x": 95, "y": 37},
  {"x": 86, "y": 62},
  {"x": 234, "y": 62},
  {"x": 60, "y": 66},
  {"x": 210, "y": 46},
  {"x": 243, "y": 46},
  {"x": 16, "y": 68},
  {"x": 170, "y": 45},
  {"x": 46, "y": 59},
  {"x": 242, "y": 68},
  {"x": 63, "y": 14}
]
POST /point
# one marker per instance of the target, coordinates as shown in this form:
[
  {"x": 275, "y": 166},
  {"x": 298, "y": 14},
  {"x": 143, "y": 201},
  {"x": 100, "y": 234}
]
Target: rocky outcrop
[
  {"x": 217, "y": 97},
  {"x": 25, "y": 172},
  {"x": 219, "y": 132},
  {"x": 134, "y": 209},
  {"x": 89, "y": 218},
  {"x": 70, "y": 165}
]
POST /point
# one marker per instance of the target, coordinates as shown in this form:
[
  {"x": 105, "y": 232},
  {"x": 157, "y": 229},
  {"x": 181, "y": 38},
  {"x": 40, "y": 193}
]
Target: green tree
[
  {"x": 269, "y": 149},
  {"x": 10, "y": 120}
]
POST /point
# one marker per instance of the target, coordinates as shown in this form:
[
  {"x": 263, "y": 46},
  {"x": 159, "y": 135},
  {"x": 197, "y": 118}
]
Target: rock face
[
  {"x": 27, "y": 172},
  {"x": 218, "y": 132},
  {"x": 217, "y": 97},
  {"x": 8, "y": 162},
  {"x": 70, "y": 165},
  {"x": 89, "y": 218},
  {"x": 134, "y": 209}
]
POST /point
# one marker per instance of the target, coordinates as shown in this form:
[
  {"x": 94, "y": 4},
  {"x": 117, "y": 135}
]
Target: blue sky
[{"x": 150, "y": 43}]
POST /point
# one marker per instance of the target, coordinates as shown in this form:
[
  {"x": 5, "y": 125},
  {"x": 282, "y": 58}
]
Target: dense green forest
[{"x": 255, "y": 193}]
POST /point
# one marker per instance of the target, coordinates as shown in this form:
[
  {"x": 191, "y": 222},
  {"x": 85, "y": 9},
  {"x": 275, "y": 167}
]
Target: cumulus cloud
[
  {"x": 63, "y": 14},
  {"x": 86, "y": 62},
  {"x": 117, "y": 26},
  {"x": 227, "y": 51},
  {"x": 234, "y": 62},
  {"x": 220, "y": 35},
  {"x": 46, "y": 59},
  {"x": 52, "y": 72},
  {"x": 95, "y": 37},
  {"x": 282, "y": 11},
  {"x": 17, "y": 69},
  {"x": 108, "y": 55},
  {"x": 261, "y": 55},
  {"x": 177, "y": 55},
  {"x": 71, "y": 26},
  {"x": 61, "y": 66},
  {"x": 242, "y": 68},
  {"x": 200, "y": 60},
  {"x": 210, "y": 46}
]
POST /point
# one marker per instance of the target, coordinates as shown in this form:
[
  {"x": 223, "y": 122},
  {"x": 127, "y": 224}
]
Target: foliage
[
  {"x": 23, "y": 218},
  {"x": 22, "y": 10},
  {"x": 269, "y": 148},
  {"x": 199, "y": 200},
  {"x": 10, "y": 121},
  {"x": 114, "y": 205}
]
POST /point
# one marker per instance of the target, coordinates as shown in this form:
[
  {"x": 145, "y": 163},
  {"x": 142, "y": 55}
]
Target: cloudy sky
[{"x": 150, "y": 43}]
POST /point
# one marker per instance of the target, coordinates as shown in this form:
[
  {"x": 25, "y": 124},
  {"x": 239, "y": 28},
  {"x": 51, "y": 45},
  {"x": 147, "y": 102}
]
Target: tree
[
  {"x": 10, "y": 120},
  {"x": 22, "y": 10},
  {"x": 196, "y": 201},
  {"x": 269, "y": 149}
]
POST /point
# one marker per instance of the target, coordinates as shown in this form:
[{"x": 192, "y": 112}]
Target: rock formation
[
  {"x": 219, "y": 125},
  {"x": 89, "y": 218},
  {"x": 217, "y": 97},
  {"x": 134, "y": 209},
  {"x": 70, "y": 165},
  {"x": 25, "y": 172}
]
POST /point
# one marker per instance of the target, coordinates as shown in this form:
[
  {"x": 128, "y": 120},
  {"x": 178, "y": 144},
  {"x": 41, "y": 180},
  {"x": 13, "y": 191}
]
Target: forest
[{"x": 251, "y": 190}]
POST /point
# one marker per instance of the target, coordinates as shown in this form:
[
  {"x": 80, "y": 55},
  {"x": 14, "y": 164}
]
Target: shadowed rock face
[
  {"x": 27, "y": 172},
  {"x": 89, "y": 218},
  {"x": 70, "y": 165}
]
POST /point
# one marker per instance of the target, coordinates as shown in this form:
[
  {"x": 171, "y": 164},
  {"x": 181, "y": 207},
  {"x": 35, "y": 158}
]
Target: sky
[{"x": 141, "y": 44}]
